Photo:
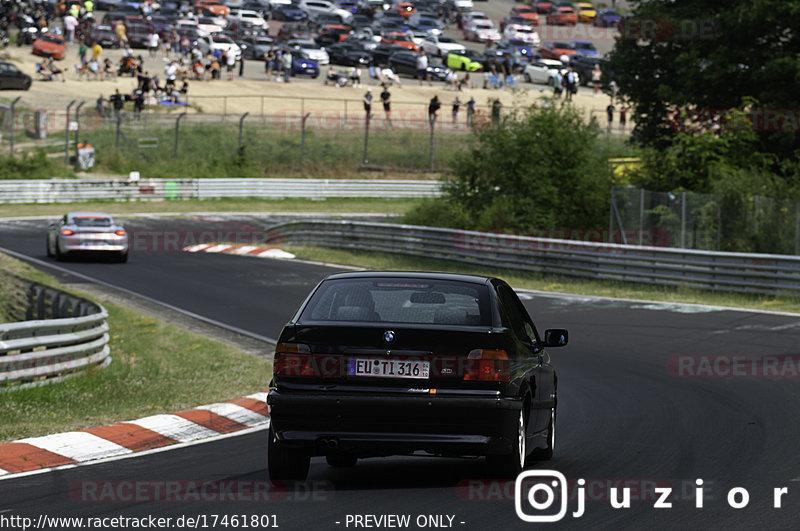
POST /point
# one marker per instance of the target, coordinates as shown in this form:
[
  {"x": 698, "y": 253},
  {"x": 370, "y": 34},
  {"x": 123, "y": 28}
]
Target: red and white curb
[
  {"x": 243, "y": 250},
  {"x": 133, "y": 436}
]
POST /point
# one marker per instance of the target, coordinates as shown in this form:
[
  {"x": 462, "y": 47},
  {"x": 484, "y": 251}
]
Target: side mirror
[{"x": 556, "y": 337}]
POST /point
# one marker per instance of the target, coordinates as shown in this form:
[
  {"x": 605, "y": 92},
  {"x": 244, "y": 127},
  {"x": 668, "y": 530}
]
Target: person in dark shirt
[
  {"x": 433, "y": 108},
  {"x": 386, "y": 98}
]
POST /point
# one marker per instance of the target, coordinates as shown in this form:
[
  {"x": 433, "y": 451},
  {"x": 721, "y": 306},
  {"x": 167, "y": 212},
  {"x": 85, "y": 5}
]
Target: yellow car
[
  {"x": 468, "y": 60},
  {"x": 586, "y": 12}
]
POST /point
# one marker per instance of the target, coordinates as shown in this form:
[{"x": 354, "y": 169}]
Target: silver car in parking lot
[{"x": 87, "y": 233}]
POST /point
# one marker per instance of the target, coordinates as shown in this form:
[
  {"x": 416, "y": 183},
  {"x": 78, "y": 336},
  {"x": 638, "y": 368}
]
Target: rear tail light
[
  {"x": 486, "y": 365},
  {"x": 67, "y": 232},
  {"x": 120, "y": 232},
  {"x": 294, "y": 360}
]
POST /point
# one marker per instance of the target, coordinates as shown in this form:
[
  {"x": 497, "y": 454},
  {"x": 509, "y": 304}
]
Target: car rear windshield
[
  {"x": 91, "y": 221},
  {"x": 406, "y": 300}
]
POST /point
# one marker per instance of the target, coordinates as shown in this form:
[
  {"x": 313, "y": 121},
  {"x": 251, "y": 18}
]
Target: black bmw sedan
[{"x": 386, "y": 363}]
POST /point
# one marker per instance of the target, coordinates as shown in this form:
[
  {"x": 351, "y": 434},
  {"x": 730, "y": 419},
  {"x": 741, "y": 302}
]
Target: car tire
[
  {"x": 286, "y": 464},
  {"x": 546, "y": 454},
  {"x": 511, "y": 464},
  {"x": 341, "y": 460},
  {"x": 528, "y": 78},
  {"x": 122, "y": 258},
  {"x": 47, "y": 245},
  {"x": 59, "y": 255},
  {"x": 26, "y": 85}
]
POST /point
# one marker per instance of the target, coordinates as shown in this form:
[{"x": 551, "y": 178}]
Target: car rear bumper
[{"x": 371, "y": 424}]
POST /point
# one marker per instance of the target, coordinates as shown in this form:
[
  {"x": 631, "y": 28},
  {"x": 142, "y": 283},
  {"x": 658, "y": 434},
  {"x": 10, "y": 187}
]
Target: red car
[
  {"x": 526, "y": 12},
  {"x": 49, "y": 45},
  {"x": 400, "y": 39},
  {"x": 562, "y": 16},
  {"x": 554, "y": 50},
  {"x": 542, "y": 6},
  {"x": 406, "y": 9}
]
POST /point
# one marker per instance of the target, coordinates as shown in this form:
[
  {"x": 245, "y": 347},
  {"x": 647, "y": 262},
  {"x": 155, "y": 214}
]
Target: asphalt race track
[{"x": 627, "y": 416}]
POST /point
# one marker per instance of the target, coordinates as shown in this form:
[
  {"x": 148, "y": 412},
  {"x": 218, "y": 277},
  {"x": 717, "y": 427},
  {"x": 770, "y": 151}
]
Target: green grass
[
  {"x": 384, "y": 261},
  {"x": 332, "y": 205},
  {"x": 211, "y": 150},
  {"x": 156, "y": 368}
]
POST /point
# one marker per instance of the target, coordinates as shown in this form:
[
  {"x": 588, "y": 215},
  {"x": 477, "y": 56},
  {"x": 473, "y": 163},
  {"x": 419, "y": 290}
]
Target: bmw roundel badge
[{"x": 388, "y": 336}]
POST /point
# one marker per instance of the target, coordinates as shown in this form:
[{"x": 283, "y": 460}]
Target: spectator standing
[
  {"x": 386, "y": 98},
  {"x": 367, "y": 99},
  {"x": 153, "y": 40},
  {"x": 497, "y": 105},
  {"x": 470, "y": 111},
  {"x": 287, "y": 65},
  {"x": 623, "y": 116},
  {"x": 100, "y": 106},
  {"x": 433, "y": 109},
  {"x": 230, "y": 63},
  {"x": 610, "y": 112},
  {"x": 456, "y": 107},
  {"x": 117, "y": 102},
  {"x": 82, "y": 49},
  {"x": 269, "y": 62},
  {"x": 597, "y": 75},
  {"x": 572, "y": 84},
  {"x": 122, "y": 34},
  {"x": 70, "y": 23},
  {"x": 422, "y": 68},
  {"x": 96, "y": 51}
]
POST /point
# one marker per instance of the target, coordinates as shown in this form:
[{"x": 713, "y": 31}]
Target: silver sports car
[{"x": 87, "y": 232}]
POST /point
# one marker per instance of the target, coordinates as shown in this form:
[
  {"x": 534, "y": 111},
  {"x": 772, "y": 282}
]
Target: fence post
[
  {"x": 13, "y": 121},
  {"x": 366, "y": 137},
  {"x": 177, "y": 128},
  {"x": 303, "y": 137},
  {"x": 611, "y": 213},
  {"x": 433, "y": 123},
  {"x": 641, "y": 215},
  {"x": 797, "y": 227},
  {"x": 683, "y": 220},
  {"x": 66, "y": 135},
  {"x": 241, "y": 125},
  {"x": 78, "y": 121},
  {"x": 755, "y": 214},
  {"x": 119, "y": 123},
  {"x": 224, "y": 108}
]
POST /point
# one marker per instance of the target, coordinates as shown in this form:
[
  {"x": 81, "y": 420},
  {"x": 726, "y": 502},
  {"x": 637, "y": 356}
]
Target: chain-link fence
[{"x": 704, "y": 221}]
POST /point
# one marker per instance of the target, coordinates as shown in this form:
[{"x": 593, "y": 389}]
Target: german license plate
[{"x": 388, "y": 368}]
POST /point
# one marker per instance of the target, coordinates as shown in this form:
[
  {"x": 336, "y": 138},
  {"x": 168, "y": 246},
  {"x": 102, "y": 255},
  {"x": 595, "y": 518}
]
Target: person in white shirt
[
  {"x": 153, "y": 41},
  {"x": 230, "y": 62},
  {"x": 422, "y": 68}
]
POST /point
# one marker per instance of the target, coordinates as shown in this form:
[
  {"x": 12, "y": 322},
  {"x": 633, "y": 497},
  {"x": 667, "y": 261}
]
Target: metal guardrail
[
  {"x": 72, "y": 190},
  {"x": 63, "y": 336},
  {"x": 716, "y": 271}
]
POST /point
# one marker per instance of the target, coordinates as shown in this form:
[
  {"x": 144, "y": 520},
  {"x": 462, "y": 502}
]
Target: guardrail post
[
  {"x": 177, "y": 128},
  {"x": 611, "y": 213},
  {"x": 78, "y": 122},
  {"x": 13, "y": 121},
  {"x": 303, "y": 137},
  {"x": 241, "y": 126},
  {"x": 66, "y": 134}
]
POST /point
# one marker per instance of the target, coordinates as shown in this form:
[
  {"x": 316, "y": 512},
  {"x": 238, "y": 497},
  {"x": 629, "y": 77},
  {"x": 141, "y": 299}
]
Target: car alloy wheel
[{"x": 511, "y": 464}]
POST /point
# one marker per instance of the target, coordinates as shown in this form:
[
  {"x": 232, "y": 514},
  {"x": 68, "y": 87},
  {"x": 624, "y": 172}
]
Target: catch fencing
[
  {"x": 72, "y": 190},
  {"x": 62, "y": 336},
  {"x": 715, "y": 271}
]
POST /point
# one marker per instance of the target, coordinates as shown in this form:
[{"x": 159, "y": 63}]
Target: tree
[
  {"x": 687, "y": 63},
  {"x": 543, "y": 167}
]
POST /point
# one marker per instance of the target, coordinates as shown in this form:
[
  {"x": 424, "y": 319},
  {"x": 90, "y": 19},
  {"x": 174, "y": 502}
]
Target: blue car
[
  {"x": 606, "y": 18},
  {"x": 429, "y": 25},
  {"x": 349, "y": 5},
  {"x": 303, "y": 66},
  {"x": 524, "y": 48},
  {"x": 584, "y": 47},
  {"x": 288, "y": 13}
]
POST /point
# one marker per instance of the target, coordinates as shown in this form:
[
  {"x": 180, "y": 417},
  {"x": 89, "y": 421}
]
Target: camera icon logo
[{"x": 548, "y": 484}]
